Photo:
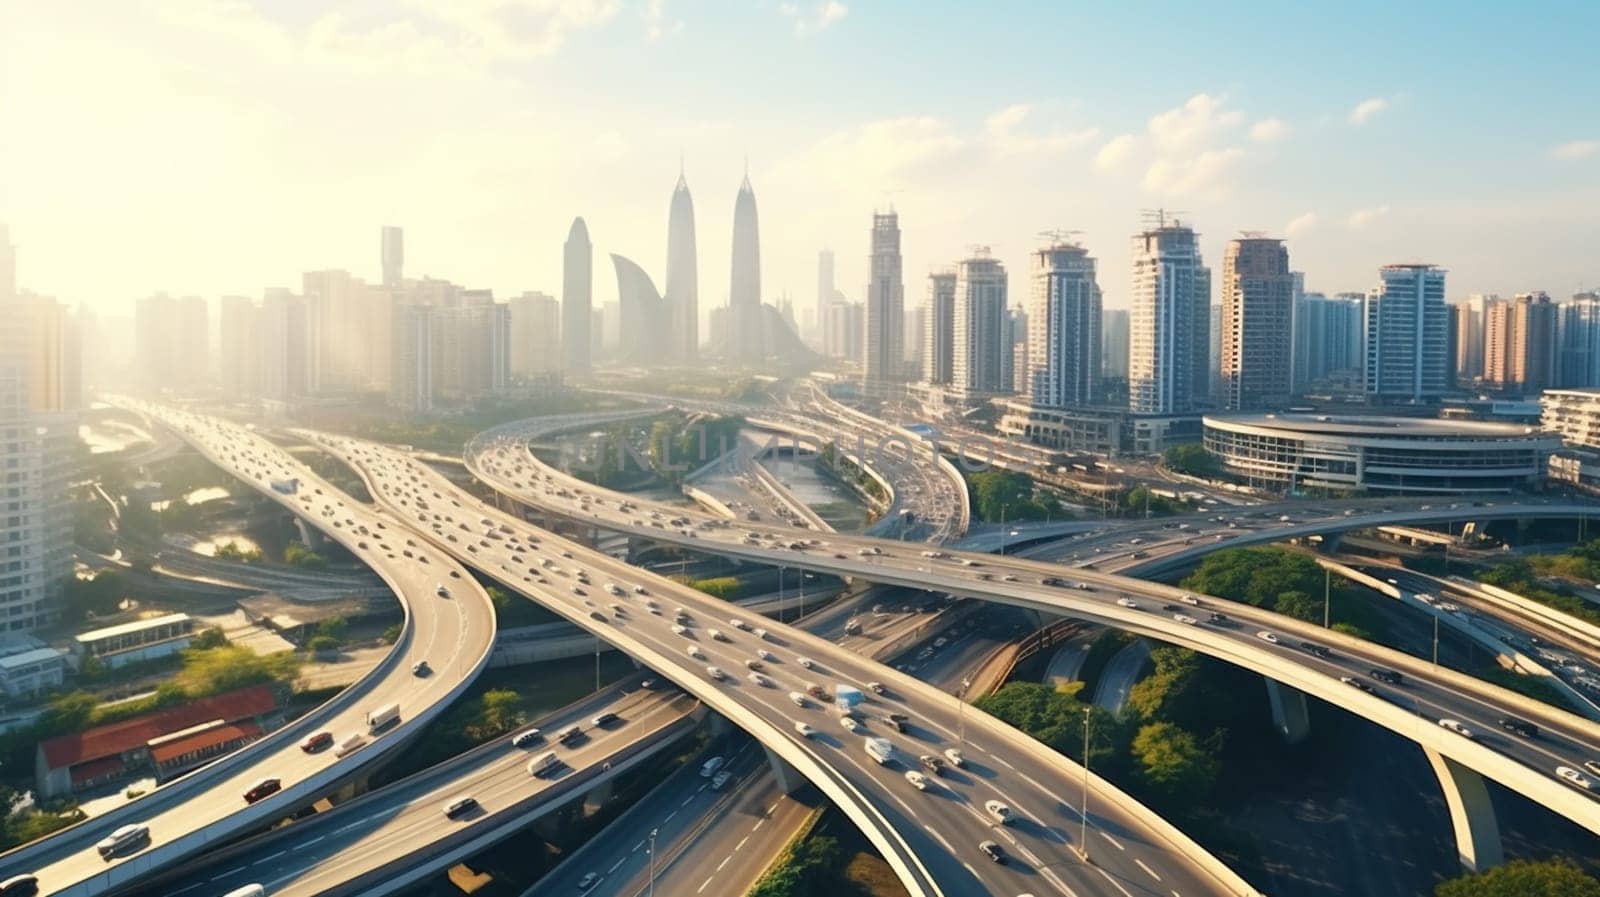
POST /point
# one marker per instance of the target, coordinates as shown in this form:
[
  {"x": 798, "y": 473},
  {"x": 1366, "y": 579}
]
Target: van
[
  {"x": 710, "y": 767},
  {"x": 246, "y": 891},
  {"x": 542, "y": 765},
  {"x": 351, "y": 742},
  {"x": 382, "y": 717},
  {"x": 570, "y": 734},
  {"x": 122, "y": 839},
  {"x": 262, "y": 789},
  {"x": 460, "y": 806}
]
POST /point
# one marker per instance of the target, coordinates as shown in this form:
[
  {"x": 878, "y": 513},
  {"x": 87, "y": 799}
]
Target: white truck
[
  {"x": 880, "y": 749},
  {"x": 382, "y": 716},
  {"x": 542, "y": 764}
]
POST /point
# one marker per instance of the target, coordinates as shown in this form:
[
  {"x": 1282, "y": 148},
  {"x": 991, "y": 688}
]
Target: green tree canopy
[
  {"x": 1191, "y": 458},
  {"x": 1174, "y": 763},
  {"x": 1559, "y": 877}
]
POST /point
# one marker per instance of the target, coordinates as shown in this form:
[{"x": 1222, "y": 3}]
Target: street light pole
[
  {"x": 1436, "y": 638},
  {"x": 1327, "y": 589},
  {"x": 1083, "y": 806},
  {"x": 961, "y": 719},
  {"x": 652, "y": 863}
]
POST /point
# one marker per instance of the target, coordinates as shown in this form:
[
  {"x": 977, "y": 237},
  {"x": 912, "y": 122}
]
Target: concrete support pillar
[
  {"x": 1471, "y": 813},
  {"x": 309, "y": 534},
  {"x": 1289, "y": 714},
  {"x": 597, "y": 797},
  {"x": 718, "y": 725},
  {"x": 789, "y": 779}
]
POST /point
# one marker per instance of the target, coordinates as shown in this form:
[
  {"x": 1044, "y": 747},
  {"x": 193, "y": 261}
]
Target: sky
[{"x": 219, "y": 147}]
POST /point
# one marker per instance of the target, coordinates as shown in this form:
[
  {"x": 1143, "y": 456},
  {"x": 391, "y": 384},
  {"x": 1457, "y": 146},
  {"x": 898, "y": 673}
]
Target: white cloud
[
  {"x": 816, "y": 17},
  {"x": 1268, "y": 130},
  {"x": 1194, "y": 124},
  {"x": 1362, "y": 217},
  {"x": 1365, "y": 110},
  {"x": 1300, "y": 224},
  {"x": 1575, "y": 149},
  {"x": 1001, "y": 129},
  {"x": 1116, "y": 151},
  {"x": 657, "y": 24},
  {"x": 1209, "y": 173}
]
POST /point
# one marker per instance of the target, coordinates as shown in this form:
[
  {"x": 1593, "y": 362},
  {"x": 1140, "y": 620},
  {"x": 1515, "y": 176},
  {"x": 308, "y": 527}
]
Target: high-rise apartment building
[
  {"x": 682, "y": 299},
  {"x": 746, "y": 341},
  {"x": 1406, "y": 344},
  {"x": 939, "y": 321},
  {"x": 1299, "y": 337},
  {"x": 1520, "y": 342},
  {"x": 471, "y": 357},
  {"x": 1114, "y": 343},
  {"x": 535, "y": 334},
  {"x": 1333, "y": 334},
  {"x": 1014, "y": 355},
  {"x": 1258, "y": 302},
  {"x": 846, "y": 328},
  {"x": 1469, "y": 339},
  {"x": 392, "y": 251},
  {"x": 1064, "y": 331},
  {"x": 577, "y": 311},
  {"x": 1580, "y": 341},
  {"x": 886, "y": 299},
  {"x": 825, "y": 300},
  {"x": 172, "y": 341},
  {"x": 239, "y": 346},
  {"x": 285, "y": 342},
  {"x": 411, "y": 381},
  {"x": 980, "y": 344},
  {"x": 1169, "y": 364}
]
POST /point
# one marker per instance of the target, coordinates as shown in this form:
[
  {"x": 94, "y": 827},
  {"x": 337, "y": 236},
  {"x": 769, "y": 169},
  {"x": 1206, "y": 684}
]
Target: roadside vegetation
[
  {"x": 449, "y": 434},
  {"x": 1288, "y": 583},
  {"x": 1192, "y": 459},
  {"x": 1005, "y": 495},
  {"x": 1523, "y": 576},
  {"x": 1555, "y": 877}
]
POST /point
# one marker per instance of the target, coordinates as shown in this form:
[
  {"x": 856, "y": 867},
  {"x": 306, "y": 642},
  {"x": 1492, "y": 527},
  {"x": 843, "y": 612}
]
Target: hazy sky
[{"x": 221, "y": 147}]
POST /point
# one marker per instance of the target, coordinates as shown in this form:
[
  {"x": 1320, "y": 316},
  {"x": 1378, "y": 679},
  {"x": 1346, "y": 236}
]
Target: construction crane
[
  {"x": 1058, "y": 236},
  {"x": 1156, "y": 219}
]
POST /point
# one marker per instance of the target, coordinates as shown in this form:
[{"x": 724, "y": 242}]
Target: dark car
[
  {"x": 262, "y": 789},
  {"x": 19, "y": 886},
  {"x": 933, "y": 764},
  {"x": 1519, "y": 727},
  {"x": 1382, "y": 675},
  {"x": 319, "y": 741},
  {"x": 1314, "y": 648},
  {"x": 992, "y": 851}
]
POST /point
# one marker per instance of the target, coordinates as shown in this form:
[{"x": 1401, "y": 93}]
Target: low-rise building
[
  {"x": 138, "y": 640},
  {"x": 1573, "y": 413},
  {"x": 30, "y": 673}
]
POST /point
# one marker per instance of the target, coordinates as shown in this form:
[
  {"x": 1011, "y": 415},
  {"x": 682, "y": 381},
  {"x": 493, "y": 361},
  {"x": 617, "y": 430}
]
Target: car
[
  {"x": 597, "y": 616},
  {"x": 805, "y": 662},
  {"x": 917, "y": 780},
  {"x": 460, "y": 806},
  {"x": 602, "y": 720},
  {"x": 262, "y": 789},
  {"x": 992, "y": 851},
  {"x": 720, "y": 779},
  {"x": 899, "y": 725},
  {"x": 679, "y": 630},
  {"x": 1386, "y": 675},
  {"x": 1185, "y": 619},
  {"x": 316, "y": 741},
  {"x": 956, "y": 758},
  {"x": 1127, "y": 602},
  {"x": 758, "y": 679},
  {"x": 1357, "y": 683},
  {"x": 739, "y": 624},
  {"x": 1574, "y": 777},
  {"x": 696, "y": 653},
  {"x": 798, "y": 699},
  {"x": 1190, "y": 599},
  {"x": 1593, "y": 766},
  {"x": 850, "y": 723},
  {"x": 766, "y": 655},
  {"x": 754, "y": 664},
  {"x": 1267, "y": 636},
  {"x": 123, "y": 838},
  {"x": 441, "y": 591},
  {"x": 877, "y": 688},
  {"x": 589, "y": 880},
  {"x": 527, "y": 737},
  {"x": 716, "y": 673},
  {"x": 421, "y": 668},
  {"x": 933, "y": 764},
  {"x": 1217, "y": 619},
  {"x": 1456, "y": 727},
  {"x": 1314, "y": 648},
  {"x": 1519, "y": 727},
  {"x": 998, "y": 810},
  {"x": 716, "y": 635},
  {"x": 760, "y": 634},
  {"x": 24, "y": 885},
  {"x": 805, "y": 729}
]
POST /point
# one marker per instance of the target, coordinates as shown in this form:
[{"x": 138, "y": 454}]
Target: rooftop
[
  {"x": 130, "y": 627},
  {"x": 114, "y": 739},
  {"x": 1363, "y": 425}
]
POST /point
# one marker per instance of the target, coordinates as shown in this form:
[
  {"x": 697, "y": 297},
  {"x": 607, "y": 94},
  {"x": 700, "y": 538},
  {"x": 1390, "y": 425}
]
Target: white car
[
  {"x": 739, "y": 624},
  {"x": 761, "y": 634},
  {"x": 1456, "y": 727},
  {"x": 1575, "y": 777},
  {"x": 850, "y": 724},
  {"x": 1190, "y": 599},
  {"x": 679, "y": 630},
  {"x": 917, "y": 780},
  {"x": 758, "y": 679},
  {"x": 799, "y": 699},
  {"x": 1185, "y": 619},
  {"x": 766, "y": 655},
  {"x": 1266, "y": 636},
  {"x": 955, "y": 757},
  {"x": 805, "y": 730},
  {"x": 696, "y": 653},
  {"x": 803, "y": 661},
  {"x": 998, "y": 810},
  {"x": 1127, "y": 602}
]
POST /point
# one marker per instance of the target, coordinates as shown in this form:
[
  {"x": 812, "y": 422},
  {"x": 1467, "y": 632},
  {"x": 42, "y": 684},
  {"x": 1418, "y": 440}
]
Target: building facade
[
  {"x": 683, "y": 278},
  {"x": 744, "y": 340},
  {"x": 939, "y": 321},
  {"x": 980, "y": 348},
  {"x": 1258, "y": 337},
  {"x": 535, "y": 334},
  {"x": 886, "y": 300},
  {"x": 1580, "y": 341},
  {"x": 1407, "y": 346},
  {"x": 577, "y": 280},
  {"x": 1520, "y": 338},
  {"x": 1169, "y": 322},
  {"x": 1064, "y": 328}
]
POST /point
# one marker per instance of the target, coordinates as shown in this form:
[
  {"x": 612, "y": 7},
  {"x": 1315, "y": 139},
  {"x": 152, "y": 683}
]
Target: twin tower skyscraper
[{"x": 665, "y": 329}]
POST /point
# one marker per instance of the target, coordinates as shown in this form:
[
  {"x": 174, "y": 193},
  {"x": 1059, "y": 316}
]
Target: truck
[
  {"x": 541, "y": 765},
  {"x": 288, "y": 486},
  {"x": 382, "y": 717},
  {"x": 880, "y": 749},
  {"x": 847, "y": 697}
]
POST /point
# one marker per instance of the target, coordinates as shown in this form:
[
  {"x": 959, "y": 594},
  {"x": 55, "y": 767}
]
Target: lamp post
[
  {"x": 1083, "y": 806},
  {"x": 1327, "y": 588},
  {"x": 961, "y": 719},
  {"x": 653, "y": 863}
]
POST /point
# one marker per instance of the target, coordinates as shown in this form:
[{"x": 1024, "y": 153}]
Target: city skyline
[{"x": 994, "y": 167}]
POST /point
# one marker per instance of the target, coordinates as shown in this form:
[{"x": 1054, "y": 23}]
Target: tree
[
  {"x": 1174, "y": 764},
  {"x": 322, "y": 644},
  {"x": 1191, "y": 458},
  {"x": 98, "y": 594},
  {"x": 298, "y": 555},
  {"x": 1557, "y": 877},
  {"x": 211, "y": 637}
]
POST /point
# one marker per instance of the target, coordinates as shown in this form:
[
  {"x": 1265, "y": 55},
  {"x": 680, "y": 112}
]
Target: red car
[
  {"x": 317, "y": 742},
  {"x": 262, "y": 789}
]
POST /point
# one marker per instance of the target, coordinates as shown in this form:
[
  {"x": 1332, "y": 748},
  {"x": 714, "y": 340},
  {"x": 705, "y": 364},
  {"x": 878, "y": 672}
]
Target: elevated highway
[
  {"x": 1331, "y": 669},
  {"x": 203, "y": 809}
]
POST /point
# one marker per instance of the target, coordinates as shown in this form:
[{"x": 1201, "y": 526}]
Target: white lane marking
[
  {"x": 940, "y": 838},
  {"x": 312, "y": 841},
  {"x": 228, "y": 873},
  {"x": 1114, "y": 883},
  {"x": 704, "y": 884},
  {"x": 269, "y": 858},
  {"x": 741, "y": 843},
  {"x": 1113, "y": 841},
  {"x": 615, "y": 866},
  {"x": 686, "y": 801},
  {"x": 669, "y": 815},
  {"x": 187, "y": 888},
  {"x": 724, "y": 862},
  {"x": 969, "y": 868},
  {"x": 1147, "y": 869},
  {"x": 638, "y": 847},
  {"x": 1056, "y": 880},
  {"x": 759, "y": 823}
]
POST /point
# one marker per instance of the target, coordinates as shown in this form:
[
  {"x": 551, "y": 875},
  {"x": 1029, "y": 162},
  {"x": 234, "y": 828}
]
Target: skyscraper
[
  {"x": 1333, "y": 334},
  {"x": 1114, "y": 343},
  {"x": 1258, "y": 301},
  {"x": 392, "y": 249},
  {"x": 1520, "y": 341},
  {"x": 1407, "y": 357},
  {"x": 1469, "y": 339},
  {"x": 1064, "y": 328},
  {"x": 683, "y": 279},
  {"x": 411, "y": 383},
  {"x": 172, "y": 341},
  {"x": 644, "y": 316},
  {"x": 886, "y": 300},
  {"x": 1580, "y": 341},
  {"x": 535, "y": 334},
  {"x": 1169, "y": 365},
  {"x": 285, "y": 347},
  {"x": 577, "y": 275},
  {"x": 745, "y": 342},
  {"x": 980, "y": 345},
  {"x": 239, "y": 346},
  {"x": 8, "y": 266},
  {"x": 845, "y": 326},
  {"x": 940, "y": 321},
  {"x": 825, "y": 300}
]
